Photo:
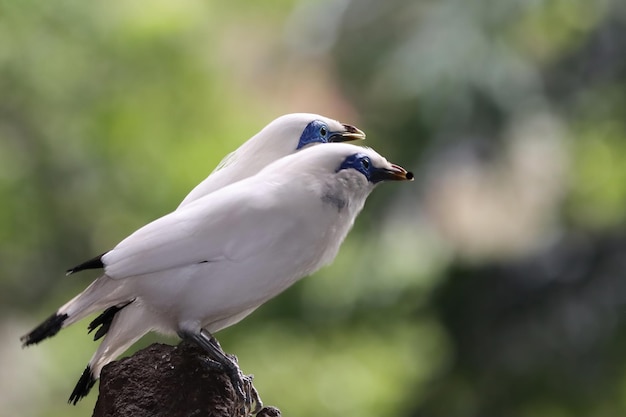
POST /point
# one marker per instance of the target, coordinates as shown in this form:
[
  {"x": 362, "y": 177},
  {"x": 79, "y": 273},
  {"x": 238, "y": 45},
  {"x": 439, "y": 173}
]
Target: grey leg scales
[{"x": 218, "y": 360}]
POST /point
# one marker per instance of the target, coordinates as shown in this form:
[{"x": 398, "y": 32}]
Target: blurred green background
[{"x": 493, "y": 285}]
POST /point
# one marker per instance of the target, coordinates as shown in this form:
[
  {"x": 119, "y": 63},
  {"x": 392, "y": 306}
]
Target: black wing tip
[
  {"x": 48, "y": 328},
  {"x": 83, "y": 386},
  {"x": 93, "y": 263}
]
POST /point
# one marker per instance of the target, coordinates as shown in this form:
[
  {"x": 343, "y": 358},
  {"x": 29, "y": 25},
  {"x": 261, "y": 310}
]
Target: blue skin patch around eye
[
  {"x": 314, "y": 132},
  {"x": 363, "y": 164}
]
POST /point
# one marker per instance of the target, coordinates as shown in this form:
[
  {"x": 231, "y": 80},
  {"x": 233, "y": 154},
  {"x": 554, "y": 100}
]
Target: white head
[
  {"x": 330, "y": 183},
  {"x": 288, "y": 134},
  {"x": 299, "y": 130},
  {"x": 349, "y": 166},
  {"x": 284, "y": 136}
]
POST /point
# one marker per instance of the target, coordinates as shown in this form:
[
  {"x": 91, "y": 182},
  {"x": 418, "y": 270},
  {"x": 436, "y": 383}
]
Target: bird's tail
[
  {"x": 101, "y": 294},
  {"x": 127, "y": 325}
]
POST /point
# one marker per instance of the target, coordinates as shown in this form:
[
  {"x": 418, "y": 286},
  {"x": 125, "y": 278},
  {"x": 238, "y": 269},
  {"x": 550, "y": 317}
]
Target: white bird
[
  {"x": 283, "y": 136},
  {"x": 208, "y": 265}
]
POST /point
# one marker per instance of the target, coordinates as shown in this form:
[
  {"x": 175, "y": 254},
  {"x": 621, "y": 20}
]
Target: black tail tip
[
  {"x": 48, "y": 328},
  {"x": 83, "y": 386}
]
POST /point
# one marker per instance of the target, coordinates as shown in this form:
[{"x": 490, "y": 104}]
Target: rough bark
[{"x": 163, "y": 380}]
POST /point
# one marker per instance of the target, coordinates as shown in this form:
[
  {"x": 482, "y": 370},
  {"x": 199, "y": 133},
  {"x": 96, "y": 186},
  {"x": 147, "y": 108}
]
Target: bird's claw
[
  {"x": 244, "y": 387},
  {"x": 251, "y": 402},
  {"x": 242, "y": 384}
]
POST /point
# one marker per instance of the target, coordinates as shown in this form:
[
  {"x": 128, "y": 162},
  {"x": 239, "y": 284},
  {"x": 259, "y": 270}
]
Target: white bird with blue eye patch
[
  {"x": 283, "y": 136},
  {"x": 209, "y": 264}
]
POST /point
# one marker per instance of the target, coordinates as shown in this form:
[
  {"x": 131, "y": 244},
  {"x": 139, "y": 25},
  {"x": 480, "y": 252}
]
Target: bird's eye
[
  {"x": 365, "y": 163},
  {"x": 323, "y": 131}
]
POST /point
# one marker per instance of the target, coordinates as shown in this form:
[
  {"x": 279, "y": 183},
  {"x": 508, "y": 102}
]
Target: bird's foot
[
  {"x": 252, "y": 403},
  {"x": 242, "y": 384},
  {"x": 219, "y": 360}
]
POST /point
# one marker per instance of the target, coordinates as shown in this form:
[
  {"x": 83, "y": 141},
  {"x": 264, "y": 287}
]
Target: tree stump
[{"x": 168, "y": 381}]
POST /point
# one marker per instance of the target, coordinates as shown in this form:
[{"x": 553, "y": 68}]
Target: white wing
[
  {"x": 230, "y": 224},
  {"x": 226, "y": 161}
]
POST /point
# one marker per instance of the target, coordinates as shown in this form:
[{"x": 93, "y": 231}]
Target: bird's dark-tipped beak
[
  {"x": 395, "y": 173},
  {"x": 349, "y": 133}
]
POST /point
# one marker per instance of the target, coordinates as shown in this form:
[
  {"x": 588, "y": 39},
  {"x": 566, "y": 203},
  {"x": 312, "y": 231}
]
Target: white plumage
[
  {"x": 212, "y": 262},
  {"x": 283, "y": 136}
]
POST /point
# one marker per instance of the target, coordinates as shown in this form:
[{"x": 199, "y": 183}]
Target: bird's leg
[
  {"x": 213, "y": 340},
  {"x": 219, "y": 360}
]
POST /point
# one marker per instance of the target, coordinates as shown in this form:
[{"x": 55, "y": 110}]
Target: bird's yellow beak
[
  {"x": 395, "y": 173},
  {"x": 350, "y": 133}
]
